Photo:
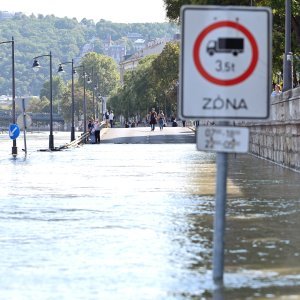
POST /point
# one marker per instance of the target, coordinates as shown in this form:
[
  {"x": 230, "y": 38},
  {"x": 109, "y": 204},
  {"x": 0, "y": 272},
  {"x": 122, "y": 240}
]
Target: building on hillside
[
  {"x": 115, "y": 51},
  {"x": 139, "y": 44},
  {"x": 131, "y": 62},
  {"x": 133, "y": 36}
]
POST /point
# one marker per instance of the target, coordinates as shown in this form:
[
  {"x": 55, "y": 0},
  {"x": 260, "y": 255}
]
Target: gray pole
[
  {"x": 220, "y": 215},
  {"x": 14, "y": 147},
  {"x": 287, "y": 61},
  {"x": 24, "y": 125},
  {"x": 219, "y": 220},
  {"x": 14, "y": 150},
  {"x": 84, "y": 103},
  {"x": 73, "y": 106},
  {"x": 93, "y": 82},
  {"x": 51, "y": 139}
]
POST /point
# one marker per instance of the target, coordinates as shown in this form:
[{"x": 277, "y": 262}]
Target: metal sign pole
[
  {"x": 219, "y": 221},
  {"x": 220, "y": 215},
  {"x": 24, "y": 125}
]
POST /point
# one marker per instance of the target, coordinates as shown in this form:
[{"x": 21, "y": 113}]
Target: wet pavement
[
  {"x": 144, "y": 135},
  {"x": 134, "y": 221}
]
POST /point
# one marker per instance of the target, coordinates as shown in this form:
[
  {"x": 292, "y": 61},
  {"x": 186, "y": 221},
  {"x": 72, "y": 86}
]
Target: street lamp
[
  {"x": 36, "y": 66},
  {"x": 60, "y": 69},
  {"x": 14, "y": 150},
  {"x": 94, "y": 88},
  {"x": 84, "y": 97},
  {"x": 99, "y": 98},
  {"x": 84, "y": 101},
  {"x": 288, "y": 56}
]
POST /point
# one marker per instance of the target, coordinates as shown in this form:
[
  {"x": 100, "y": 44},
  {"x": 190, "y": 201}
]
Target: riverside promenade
[
  {"x": 143, "y": 135},
  {"x": 132, "y": 218}
]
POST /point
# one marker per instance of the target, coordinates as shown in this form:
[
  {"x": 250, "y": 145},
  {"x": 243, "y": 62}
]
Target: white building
[{"x": 129, "y": 63}]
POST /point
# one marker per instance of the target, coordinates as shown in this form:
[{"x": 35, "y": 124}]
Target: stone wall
[{"x": 278, "y": 138}]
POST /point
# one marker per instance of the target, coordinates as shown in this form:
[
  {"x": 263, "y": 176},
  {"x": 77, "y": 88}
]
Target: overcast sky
[{"x": 123, "y": 11}]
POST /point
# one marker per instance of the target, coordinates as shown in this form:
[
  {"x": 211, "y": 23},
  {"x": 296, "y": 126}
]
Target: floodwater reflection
[{"x": 135, "y": 222}]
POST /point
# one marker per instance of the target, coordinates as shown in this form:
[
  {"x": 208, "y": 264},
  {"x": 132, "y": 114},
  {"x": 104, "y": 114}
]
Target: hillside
[{"x": 66, "y": 39}]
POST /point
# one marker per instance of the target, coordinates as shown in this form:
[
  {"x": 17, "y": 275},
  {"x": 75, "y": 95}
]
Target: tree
[
  {"x": 57, "y": 91},
  {"x": 152, "y": 84},
  {"x": 166, "y": 71},
  {"x": 37, "y": 105},
  {"x": 166, "y": 66},
  {"x": 66, "y": 102},
  {"x": 104, "y": 71}
]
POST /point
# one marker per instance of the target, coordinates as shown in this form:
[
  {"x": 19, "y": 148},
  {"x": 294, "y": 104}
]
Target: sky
[{"x": 120, "y": 11}]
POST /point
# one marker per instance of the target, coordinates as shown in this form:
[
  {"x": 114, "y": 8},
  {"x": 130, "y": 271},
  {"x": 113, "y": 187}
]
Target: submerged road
[{"x": 143, "y": 135}]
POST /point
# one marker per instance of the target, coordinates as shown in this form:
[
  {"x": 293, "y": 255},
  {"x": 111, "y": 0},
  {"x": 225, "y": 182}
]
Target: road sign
[
  {"x": 14, "y": 131},
  {"x": 223, "y": 139},
  {"x": 225, "y": 69},
  {"x": 20, "y": 121}
]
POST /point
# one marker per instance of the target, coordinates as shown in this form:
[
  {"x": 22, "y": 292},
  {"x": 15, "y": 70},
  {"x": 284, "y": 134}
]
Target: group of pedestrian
[
  {"x": 94, "y": 130},
  {"x": 157, "y": 118}
]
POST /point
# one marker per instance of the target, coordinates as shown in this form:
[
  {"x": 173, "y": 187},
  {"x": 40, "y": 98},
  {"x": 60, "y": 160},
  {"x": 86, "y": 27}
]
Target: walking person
[
  {"x": 111, "y": 118},
  {"x": 97, "y": 132},
  {"x": 106, "y": 116},
  {"x": 91, "y": 130},
  {"x": 153, "y": 119},
  {"x": 161, "y": 120}
]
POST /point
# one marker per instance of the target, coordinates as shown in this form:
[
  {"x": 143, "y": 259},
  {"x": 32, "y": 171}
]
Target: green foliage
[
  {"x": 103, "y": 71},
  {"x": 57, "y": 88},
  {"x": 166, "y": 66},
  {"x": 152, "y": 84},
  {"x": 39, "y": 105},
  {"x": 65, "y": 102}
]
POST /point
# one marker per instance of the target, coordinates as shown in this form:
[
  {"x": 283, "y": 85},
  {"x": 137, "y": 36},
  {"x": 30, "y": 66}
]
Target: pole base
[
  {"x": 51, "y": 142},
  {"x": 14, "y": 151},
  {"x": 72, "y": 133}
]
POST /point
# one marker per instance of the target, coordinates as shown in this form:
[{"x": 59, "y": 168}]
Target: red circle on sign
[{"x": 216, "y": 80}]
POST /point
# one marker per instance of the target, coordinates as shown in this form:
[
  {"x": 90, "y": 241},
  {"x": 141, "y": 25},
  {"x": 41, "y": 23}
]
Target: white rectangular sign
[
  {"x": 223, "y": 139},
  {"x": 225, "y": 67}
]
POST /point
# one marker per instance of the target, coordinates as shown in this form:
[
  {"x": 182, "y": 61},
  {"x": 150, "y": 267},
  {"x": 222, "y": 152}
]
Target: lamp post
[
  {"x": 84, "y": 101},
  {"x": 60, "y": 69},
  {"x": 14, "y": 150},
  {"x": 36, "y": 66},
  {"x": 94, "y": 87},
  {"x": 93, "y": 80},
  {"x": 99, "y": 113},
  {"x": 84, "y": 98},
  {"x": 94, "y": 109},
  {"x": 288, "y": 56}
]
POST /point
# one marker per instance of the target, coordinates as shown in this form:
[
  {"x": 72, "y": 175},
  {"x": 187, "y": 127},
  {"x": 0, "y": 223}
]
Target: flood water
[{"x": 124, "y": 221}]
